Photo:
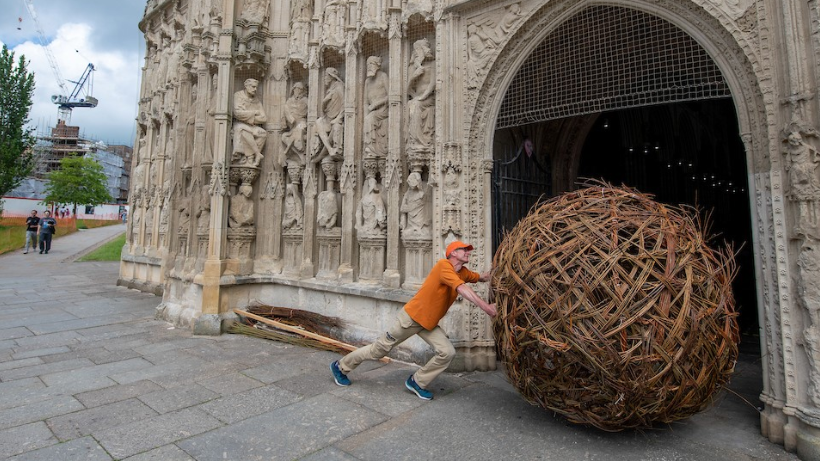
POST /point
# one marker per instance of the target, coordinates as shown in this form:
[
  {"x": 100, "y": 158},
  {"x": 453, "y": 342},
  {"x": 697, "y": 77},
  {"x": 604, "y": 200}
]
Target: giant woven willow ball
[{"x": 613, "y": 311}]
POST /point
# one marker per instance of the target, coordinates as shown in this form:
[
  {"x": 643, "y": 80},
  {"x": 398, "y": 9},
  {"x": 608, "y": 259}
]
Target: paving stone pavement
[{"x": 87, "y": 373}]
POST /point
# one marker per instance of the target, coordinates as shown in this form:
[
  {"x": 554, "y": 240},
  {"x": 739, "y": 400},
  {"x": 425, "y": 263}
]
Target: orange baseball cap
[{"x": 455, "y": 245}]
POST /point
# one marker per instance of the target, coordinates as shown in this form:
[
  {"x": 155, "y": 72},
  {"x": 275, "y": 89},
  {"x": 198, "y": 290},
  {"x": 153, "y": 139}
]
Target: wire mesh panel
[{"x": 607, "y": 58}]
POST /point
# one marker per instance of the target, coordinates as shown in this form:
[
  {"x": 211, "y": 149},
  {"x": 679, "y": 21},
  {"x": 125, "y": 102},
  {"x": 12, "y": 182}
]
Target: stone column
[
  {"x": 394, "y": 169},
  {"x": 212, "y": 306},
  {"x": 348, "y": 174}
]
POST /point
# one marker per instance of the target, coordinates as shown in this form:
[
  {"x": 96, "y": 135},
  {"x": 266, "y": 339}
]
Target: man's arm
[{"x": 473, "y": 297}]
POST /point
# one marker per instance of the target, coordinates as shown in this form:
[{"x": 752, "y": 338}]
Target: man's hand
[{"x": 486, "y": 276}]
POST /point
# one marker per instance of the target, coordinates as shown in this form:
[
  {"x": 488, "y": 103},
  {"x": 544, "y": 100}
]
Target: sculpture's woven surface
[{"x": 613, "y": 311}]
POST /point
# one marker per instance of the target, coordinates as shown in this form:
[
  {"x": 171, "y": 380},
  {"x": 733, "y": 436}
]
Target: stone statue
[
  {"x": 295, "y": 115},
  {"x": 505, "y": 26},
  {"x": 241, "y": 207},
  {"x": 371, "y": 214},
  {"x": 161, "y": 59},
  {"x": 255, "y": 11},
  {"x": 292, "y": 216},
  {"x": 190, "y": 128},
  {"x": 248, "y": 136},
  {"x": 297, "y": 43},
  {"x": 210, "y": 124},
  {"x": 413, "y": 220},
  {"x": 330, "y": 126},
  {"x": 328, "y": 210},
  {"x": 804, "y": 186},
  {"x": 375, "y": 114},
  {"x": 184, "y": 215},
  {"x": 480, "y": 49},
  {"x": 808, "y": 271},
  {"x": 333, "y": 22},
  {"x": 301, "y": 9},
  {"x": 371, "y": 13},
  {"x": 203, "y": 213},
  {"x": 421, "y": 89}
]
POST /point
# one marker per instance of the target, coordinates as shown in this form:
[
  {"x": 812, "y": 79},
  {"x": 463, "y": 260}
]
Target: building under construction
[{"x": 65, "y": 141}]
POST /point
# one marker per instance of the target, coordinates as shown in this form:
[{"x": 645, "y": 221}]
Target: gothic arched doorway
[{"x": 625, "y": 96}]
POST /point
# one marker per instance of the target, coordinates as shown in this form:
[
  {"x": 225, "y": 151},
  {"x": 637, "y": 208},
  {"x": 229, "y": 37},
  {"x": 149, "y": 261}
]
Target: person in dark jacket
[{"x": 48, "y": 226}]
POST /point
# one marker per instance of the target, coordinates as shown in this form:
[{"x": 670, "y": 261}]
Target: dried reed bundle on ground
[
  {"x": 613, "y": 311},
  {"x": 310, "y": 321},
  {"x": 261, "y": 331}
]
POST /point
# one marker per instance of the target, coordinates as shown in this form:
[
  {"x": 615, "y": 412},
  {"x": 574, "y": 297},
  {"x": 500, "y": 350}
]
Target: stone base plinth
[
  {"x": 292, "y": 254},
  {"x": 371, "y": 259},
  {"x": 330, "y": 244}
]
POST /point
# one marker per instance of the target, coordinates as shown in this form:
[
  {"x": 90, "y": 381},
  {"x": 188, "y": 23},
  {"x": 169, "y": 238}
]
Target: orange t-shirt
[{"x": 438, "y": 293}]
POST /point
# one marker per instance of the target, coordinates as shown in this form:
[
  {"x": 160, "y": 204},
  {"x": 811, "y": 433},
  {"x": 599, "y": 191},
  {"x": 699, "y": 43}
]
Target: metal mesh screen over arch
[{"x": 605, "y": 58}]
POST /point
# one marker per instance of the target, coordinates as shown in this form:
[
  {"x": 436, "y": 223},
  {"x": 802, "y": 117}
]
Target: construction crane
[{"x": 84, "y": 85}]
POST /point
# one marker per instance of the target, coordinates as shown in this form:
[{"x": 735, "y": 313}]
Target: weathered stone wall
[{"x": 319, "y": 154}]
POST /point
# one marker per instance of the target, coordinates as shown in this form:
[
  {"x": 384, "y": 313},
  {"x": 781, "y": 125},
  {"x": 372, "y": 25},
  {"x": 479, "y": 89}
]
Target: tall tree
[
  {"x": 78, "y": 181},
  {"x": 16, "y": 141}
]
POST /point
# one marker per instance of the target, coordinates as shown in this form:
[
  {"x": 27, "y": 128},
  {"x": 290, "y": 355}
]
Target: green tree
[
  {"x": 16, "y": 141},
  {"x": 78, "y": 181}
]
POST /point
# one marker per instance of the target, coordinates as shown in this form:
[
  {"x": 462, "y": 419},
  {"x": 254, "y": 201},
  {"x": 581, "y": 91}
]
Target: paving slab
[
  {"x": 243, "y": 405},
  {"x": 84, "y": 449},
  {"x": 85, "y": 422},
  {"x": 286, "y": 433},
  {"x": 134, "y": 438},
  {"x": 27, "y": 437},
  {"x": 164, "y": 453}
]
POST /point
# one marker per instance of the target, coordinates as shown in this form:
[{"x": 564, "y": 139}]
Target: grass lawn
[
  {"x": 13, "y": 230},
  {"x": 109, "y": 252}
]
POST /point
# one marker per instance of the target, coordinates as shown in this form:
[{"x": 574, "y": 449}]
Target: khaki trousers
[{"x": 404, "y": 328}]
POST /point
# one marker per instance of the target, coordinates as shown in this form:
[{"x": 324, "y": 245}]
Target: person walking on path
[
  {"x": 420, "y": 316},
  {"x": 48, "y": 226},
  {"x": 32, "y": 223}
]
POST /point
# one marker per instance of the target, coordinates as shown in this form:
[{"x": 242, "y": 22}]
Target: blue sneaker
[
  {"x": 423, "y": 394},
  {"x": 340, "y": 378}
]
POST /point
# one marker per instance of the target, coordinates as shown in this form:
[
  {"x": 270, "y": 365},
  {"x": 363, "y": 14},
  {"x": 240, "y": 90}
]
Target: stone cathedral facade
[{"x": 320, "y": 154}]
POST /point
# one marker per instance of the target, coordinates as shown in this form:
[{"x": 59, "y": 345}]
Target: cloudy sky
[{"x": 102, "y": 32}]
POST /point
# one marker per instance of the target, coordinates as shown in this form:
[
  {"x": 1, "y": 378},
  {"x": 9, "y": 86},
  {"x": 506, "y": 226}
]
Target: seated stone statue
[{"x": 248, "y": 136}]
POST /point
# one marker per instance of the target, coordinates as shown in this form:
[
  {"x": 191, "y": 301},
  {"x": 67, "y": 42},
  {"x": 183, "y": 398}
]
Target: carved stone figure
[
  {"x": 505, "y": 26},
  {"x": 414, "y": 220},
  {"x": 804, "y": 185},
  {"x": 333, "y": 22},
  {"x": 190, "y": 128},
  {"x": 161, "y": 59},
  {"x": 375, "y": 114},
  {"x": 328, "y": 210},
  {"x": 241, "y": 207},
  {"x": 297, "y": 43},
  {"x": 371, "y": 214},
  {"x": 210, "y": 124},
  {"x": 184, "y": 215},
  {"x": 255, "y": 11},
  {"x": 248, "y": 136},
  {"x": 421, "y": 90},
  {"x": 301, "y": 9},
  {"x": 808, "y": 263},
  {"x": 295, "y": 118},
  {"x": 330, "y": 126},
  {"x": 371, "y": 14},
  {"x": 203, "y": 213},
  {"x": 480, "y": 49},
  {"x": 293, "y": 213}
]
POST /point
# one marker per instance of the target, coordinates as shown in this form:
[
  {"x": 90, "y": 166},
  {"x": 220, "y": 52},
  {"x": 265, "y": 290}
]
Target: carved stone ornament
[{"x": 219, "y": 180}]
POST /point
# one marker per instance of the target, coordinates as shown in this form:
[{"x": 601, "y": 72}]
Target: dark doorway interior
[{"x": 685, "y": 153}]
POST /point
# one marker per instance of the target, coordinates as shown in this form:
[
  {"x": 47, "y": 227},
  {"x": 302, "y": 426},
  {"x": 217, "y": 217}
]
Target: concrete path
[{"x": 86, "y": 373}]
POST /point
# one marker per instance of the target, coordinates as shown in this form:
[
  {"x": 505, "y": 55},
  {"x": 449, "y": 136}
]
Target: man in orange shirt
[{"x": 420, "y": 316}]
